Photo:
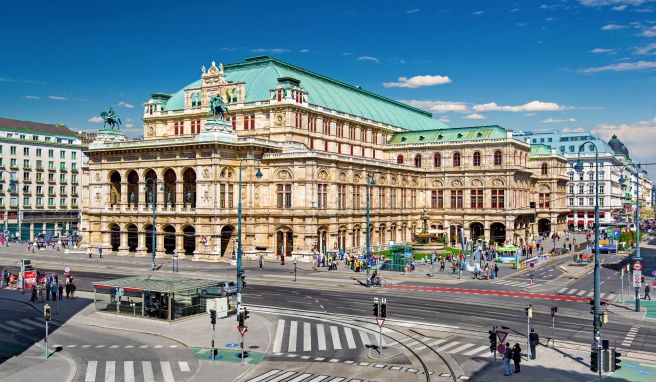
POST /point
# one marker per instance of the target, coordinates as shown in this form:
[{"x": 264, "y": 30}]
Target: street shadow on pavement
[{"x": 534, "y": 373}]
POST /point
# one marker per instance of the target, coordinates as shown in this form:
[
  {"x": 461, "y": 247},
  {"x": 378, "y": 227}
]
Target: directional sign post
[{"x": 242, "y": 330}]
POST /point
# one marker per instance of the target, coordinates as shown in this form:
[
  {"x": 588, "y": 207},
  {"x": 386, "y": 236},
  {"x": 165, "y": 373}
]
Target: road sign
[
  {"x": 637, "y": 279},
  {"x": 380, "y": 321},
  {"x": 637, "y": 266},
  {"x": 242, "y": 329},
  {"x": 501, "y": 348},
  {"x": 502, "y": 335},
  {"x": 30, "y": 278}
]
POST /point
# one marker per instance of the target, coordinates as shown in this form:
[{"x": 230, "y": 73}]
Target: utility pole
[
  {"x": 637, "y": 273},
  {"x": 554, "y": 310},
  {"x": 47, "y": 316},
  {"x": 529, "y": 315}
]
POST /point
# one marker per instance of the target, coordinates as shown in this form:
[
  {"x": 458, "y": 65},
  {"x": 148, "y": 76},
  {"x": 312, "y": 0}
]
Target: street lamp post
[
  {"x": 13, "y": 184},
  {"x": 240, "y": 270},
  {"x": 597, "y": 271},
  {"x": 151, "y": 199},
  {"x": 370, "y": 182},
  {"x": 636, "y": 221}
]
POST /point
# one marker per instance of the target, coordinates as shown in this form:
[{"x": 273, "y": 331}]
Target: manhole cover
[{"x": 254, "y": 347}]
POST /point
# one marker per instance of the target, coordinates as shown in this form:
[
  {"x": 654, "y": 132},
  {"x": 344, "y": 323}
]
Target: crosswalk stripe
[
  {"x": 321, "y": 337},
  {"x": 293, "y": 327},
  {"x": 91, "y": 371},
  {"x": 110, "y": 371},
  {"x": 412, "y": 343},
  {"x": 266, "y": 375},
  {"x": 307, "y": 337},
  {"x": 436, "y": 342},
  {"x": 364, "y": 338},
  {"x": 601, "y": 295},
  {"x": 299, "y": 378},
  {"x": 421, "y": 344},
  {"x": 128, "y": 371},
  {"x": 318, "y": 378},
  {"x": 562, "y": 290},
  {"x": 461, "y": 348},
  {"x": 184, "y": 366},
  {"x": 572, "y": 291},
  {"x": 477, "y": 350},
  {"x": 9, "y": 329},
  {"x": 581, "y": 292},
  {"x": 19, "y": 325},
  {"x": 337, "y": 343},
  {"x": 447, "y": 346},
  {"x": 350, "y": 341},
  {"x": 611, "y": 296},
  {"x": 338, "y": 379},
  {"x": 282, "y": 376},
  {"x": 148, "y": 371},
  {"x": 166, "y": 371},
  {"x": 277, "y": 342},
  {"x": 33, "y": 323},
  {"x": 590, "y": 294}
]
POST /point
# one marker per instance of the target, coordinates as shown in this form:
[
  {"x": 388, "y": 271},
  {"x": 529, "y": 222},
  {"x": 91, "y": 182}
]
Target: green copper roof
[
  {"x": 261, "y": 75},
  {"x": 452, "y": 134},
  {"x": 538, "y": 149}
]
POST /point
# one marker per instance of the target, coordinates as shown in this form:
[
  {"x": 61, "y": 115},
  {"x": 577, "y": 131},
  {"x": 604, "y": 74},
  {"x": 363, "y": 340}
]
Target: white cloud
[
  {"x": 438, "y": 106},
  {"x": 368, "y": 58},
  {"x": 612, "y": 27},
  {"x": 418, "y": 81},
  {"x": 303, "y": 51},
  {"x": 602, "y": 51},
  {"x": 572, "y": 129},
  {"x": 31, "y": 97},
  {"x": 554, "y": 120},
  {"x": 614, "y": 3},
  {"x": 129, "y": 125},
  {"x": 444, "y": 119},
  {"x": 649, "y": 32},
  {"x": 647, "y": 49},
  {"x": 619, "y": 7},
  {"x": 271, "y": 50},
  {"x": 21, "y": 81},
  {"x": 125, "y": 105},
  {"x": 95, "y": 119},
  {"x": 639, "y": 137},
  {"x": 530, "y": 114},
  {"x": 412, "y": 11},
  {"x": 478, "y": 13},
  {"x": 474, "y": 116},
  {"x": 58, "y": 98},
  {"x": 621, "y": 67},
  {"x": 527, "y": 107}
]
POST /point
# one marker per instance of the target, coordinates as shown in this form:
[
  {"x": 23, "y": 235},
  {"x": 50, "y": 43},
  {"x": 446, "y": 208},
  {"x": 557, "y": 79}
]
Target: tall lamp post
[
  {"x": 637, "y": 225},
  {"x": 13, "y": 185},
  {"x": 370, "y": 183},
  {"x": 151, "y": 198},
  {"x": 240, "y": 271},
  {"x": 597, "y": 271}
]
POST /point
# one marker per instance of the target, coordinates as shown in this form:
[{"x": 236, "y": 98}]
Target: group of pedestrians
[
  {"x": 52, "y": 288},
  {"x": 514, "y": 354}
]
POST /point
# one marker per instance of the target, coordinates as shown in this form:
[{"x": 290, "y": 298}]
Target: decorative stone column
[
  {"x": 123, "y": 249},
  {"x": 124, "y": 199},
  {"x": 141, "y": 246}
]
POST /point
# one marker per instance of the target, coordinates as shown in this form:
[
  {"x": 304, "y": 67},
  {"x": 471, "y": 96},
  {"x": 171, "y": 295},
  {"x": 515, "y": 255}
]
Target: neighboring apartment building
[
  {"x": 319, "y": 143},
  {"x": 45, "y": 160}
]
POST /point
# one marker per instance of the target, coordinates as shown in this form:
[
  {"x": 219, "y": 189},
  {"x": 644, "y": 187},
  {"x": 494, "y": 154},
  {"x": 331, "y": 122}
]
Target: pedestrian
[
  {"x": 531, "y": 276},
  {"x": 261, "y": 261},
  {"x": 73, "y": 287},
  {"x": 647, "y": 290},
  {"x": 33, "y": 298},
  {"x": 533, "y": 341},
  {"x": 47, "y": 290},
  {"x": 496, "y": 270},
  {"x": 61, "y": 291},
  {"x": 570, "y": 247},
  {"x": 442, "y": 265},
  {"x": 68, "y": 290},
  {"x": 507, "y": 356},
  {"x": 89, "y": 252},
  {"x": 517, "y": 356}
]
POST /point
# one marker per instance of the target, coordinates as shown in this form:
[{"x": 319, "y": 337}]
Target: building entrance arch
[
  {"x": 498, "y": 232},
  {"x": 169, "y": 239},
  {"x": 189, "y": 240},
  {"x": 544, "y": 226},
  {"x": 477, "y": 231},
  {"x": 226, "y": 235},
  {"x": 115, "y": 236}
]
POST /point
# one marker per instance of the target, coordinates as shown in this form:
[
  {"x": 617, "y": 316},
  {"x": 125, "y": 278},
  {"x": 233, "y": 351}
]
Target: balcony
[
  {"x": 52, "y": 181},
  {"x": 74, "y": 170},
  {"x": 39, "y": 168},
  {"x": 74, "y": 182},
  {"x": 74, "y": 193},
  {"x": 52, "y": 169},
  {"x": 39, "y": 180},
  {"x": 28, "y": 167},
  {"x": 51, "y": 193},
  {"x": 61, "y": 169},
  {"x": 13, "y": 166},
  {"x": 40, "y": 206},
  {"x": 52, "y": 206}
]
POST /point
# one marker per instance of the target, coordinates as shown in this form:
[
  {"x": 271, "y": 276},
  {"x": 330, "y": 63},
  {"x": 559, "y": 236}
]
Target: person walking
[
  {"x": 517, "y": 356},
  {"x": 647, "y": 290},
  {"x": 261, "y": 261},
  {"x": 507, "y": 356},
  {"x": 68, "y": 289},
  {"x": 61, "y": 291},
  {"x": 496, "y": 270},
  {"x": 531, "y": 277},
  {"x": 33, "y": 298},
  {"x": 442, "y": 265},
  {"x": 533, "y": 341},
  {"x": 47, "y": 290},
  {"x": 53, "y": 291}
]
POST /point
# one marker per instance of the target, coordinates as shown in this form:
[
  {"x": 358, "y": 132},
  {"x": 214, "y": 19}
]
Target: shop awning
[
  {"x": 571, "y": 222},
  {"x": 581, "y": 222},
  {"x": 590, "y": 214},
  {"x": 571, "y": 214},
  {"x": 580, "y": 214},
  {"x": 602, "y": 214}
]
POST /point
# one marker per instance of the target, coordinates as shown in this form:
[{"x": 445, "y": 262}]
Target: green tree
[{"x": 646, "y": 213}]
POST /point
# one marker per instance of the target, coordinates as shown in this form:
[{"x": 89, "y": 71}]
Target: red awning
[
  {"x": 571, "y": 214},
  {"x": 590, "y": 214},
  {"x": 580, "y": 214},
  {"x": 581, "y": 222},
  {"x": 602, "y": 214},
  {"x": 570, "y": 222}
]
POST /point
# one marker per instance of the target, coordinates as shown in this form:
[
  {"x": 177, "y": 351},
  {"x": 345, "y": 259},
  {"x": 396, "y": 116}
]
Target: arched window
[
  {"x": 437, "y": 160},
  {"x": 399, "y": 159},
  {"x": 477, "y": 158},
  {"x": 497, "y": 158},
  {"x": 418, "y": 160},
  {"x": 544, "y": 169},
  {"x": 456, "y": 159}
]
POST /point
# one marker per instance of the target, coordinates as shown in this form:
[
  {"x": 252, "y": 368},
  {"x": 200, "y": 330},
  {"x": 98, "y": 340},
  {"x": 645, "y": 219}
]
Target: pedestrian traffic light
[
  {"x": 46, "y": 312},
  {"x": 243, "y": 281},
  {"x": 375, "y": 309},
  {"x": 383, "y": 310},
  {"x": 594, "y": 361},
  {"x": 213, "y": 316},
  {"x": 246, "y": 314},
  {"x": 240, "y": 318},
  {"x": 493, "y": 340},
  {"x": 616, "y": 358}
]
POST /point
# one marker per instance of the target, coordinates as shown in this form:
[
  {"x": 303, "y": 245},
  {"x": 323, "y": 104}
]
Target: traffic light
[
  {"x": 616, "y": 359},
  {"x": 243, "y": 281},
  {"x": 240, "y": 318},
  {"x": 594, "y": 361},
  {"x": 213, "y": 316},
  {"x": 246, "y": 314},
  {"x": 46, "y": 312},
  {"x": 604, "y": 318},
  {"x": 375, "y": 309},
  {"x": 493, "y": 340},
  {"x": 529, "y": 311},
  {"x": 383, "y": 310}
]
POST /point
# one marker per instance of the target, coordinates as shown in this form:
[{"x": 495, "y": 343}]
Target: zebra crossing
[
  {"x": 294, "y": 336},
  {"x": 25, "y": 324},
  {"x": 453, "y": 346},
  {"x": 131, "y": 371},
  {"x": 278, "y": 375},
  {"x": 586, "y": 293},
  {"x": 512, "y": 283}
]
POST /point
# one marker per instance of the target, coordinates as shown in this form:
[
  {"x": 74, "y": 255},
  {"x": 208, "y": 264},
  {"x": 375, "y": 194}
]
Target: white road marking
[
  {"x": 364, "y": 338},
  {"x": 461, "y": 348},
  {"x": 321, "y": 337},
  {"x": 91, "y": 371},
  {"x": 572, "y": 291},
  {"x": 266, "y": 375},
  {"x": 337, "y": 343},
  {"x": 318, "y": 379},
  {"x": 282, "y": 376},
  {"x": 20, "y": 326},
  {"x": 110, "y": 371},
  {"x": 148, "y": 371},
  {"x": 277, "y": 342},
  {"x": 476, "y": 350},
  {"x": 291, "y": 347},
  {"x": 166, "y": 371},
  {"x": 562, "y": 290},
  {"x": 350, "y": 341},
  {"x": 307, "y": 337},
  {"x": 9, "y": 329},
  {"x": 128, "y": 371},
  {"x": 34, "y": 323},
  {"x": 184, "y": 366},
  {"x": 436, "y": 342},
  {"x": 447, "y": 346},
  {"x": 299, "y": 378}
]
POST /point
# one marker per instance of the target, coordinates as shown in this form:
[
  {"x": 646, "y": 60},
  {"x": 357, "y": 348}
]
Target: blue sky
[{"x": 526, "y": 65}]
